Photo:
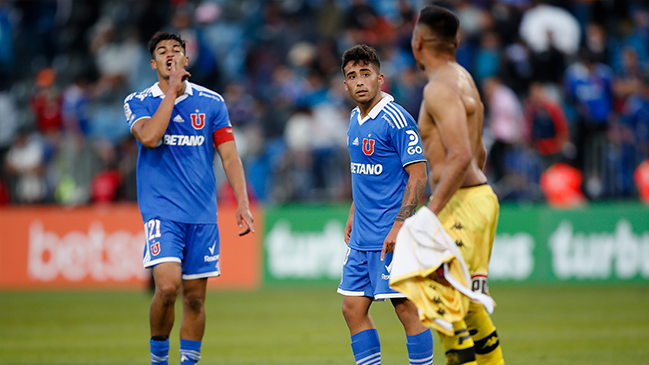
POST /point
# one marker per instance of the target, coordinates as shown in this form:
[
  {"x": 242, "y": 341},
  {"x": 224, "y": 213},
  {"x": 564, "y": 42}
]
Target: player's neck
[
  {"x": 436, "y": 61},
  {"x": 365, "y": 108}
]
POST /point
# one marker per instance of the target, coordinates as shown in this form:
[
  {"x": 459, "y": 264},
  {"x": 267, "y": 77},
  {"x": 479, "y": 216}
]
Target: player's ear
[
  {"x": 186, "y": 61},
  {"x": 381, "y": 79},
  {"x": 345, "y": 83},
  {"x": 416, "y": 42}
]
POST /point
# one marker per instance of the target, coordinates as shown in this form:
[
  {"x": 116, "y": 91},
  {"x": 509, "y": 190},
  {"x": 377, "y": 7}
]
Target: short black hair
[
  {"x": 360, "y": 53},
  {"x": 163, "y": 36},
  {"x": 442, "y": 22}
]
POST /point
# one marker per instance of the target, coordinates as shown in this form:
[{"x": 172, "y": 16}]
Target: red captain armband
[{"x": 223, "y": 135}]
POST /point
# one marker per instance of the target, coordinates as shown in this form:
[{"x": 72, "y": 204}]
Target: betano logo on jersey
[
  {"x": 366, "y": 169},
  {"x": 180, "y": 140}
]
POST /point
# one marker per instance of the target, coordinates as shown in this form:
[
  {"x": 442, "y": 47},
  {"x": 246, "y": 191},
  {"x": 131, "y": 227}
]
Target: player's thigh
[
  {"x": 356, "y": 306},
  {"x": 202, "y": 252},
  {"x": 380, "y": 275},
  {"x": 355, "y": 280},
  {"x": 165, "y": 242},
  {"x": 469, "y": 219},
  {"x": 167, "y": 280}
]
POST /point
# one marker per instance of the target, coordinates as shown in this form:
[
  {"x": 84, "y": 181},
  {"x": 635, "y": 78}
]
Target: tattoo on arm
[{"x": 411, "y": 198}]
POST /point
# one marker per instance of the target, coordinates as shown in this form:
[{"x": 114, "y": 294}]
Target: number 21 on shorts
[{"x": 152, "y": 231}]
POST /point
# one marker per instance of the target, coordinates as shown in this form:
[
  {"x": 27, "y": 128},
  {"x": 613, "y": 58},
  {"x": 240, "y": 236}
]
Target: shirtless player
[{"x": 450, "y": 125}]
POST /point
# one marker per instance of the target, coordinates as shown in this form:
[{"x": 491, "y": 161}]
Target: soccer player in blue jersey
[
  {"x": 388, "y": 179},
  {"x": 179, "y": 126}
]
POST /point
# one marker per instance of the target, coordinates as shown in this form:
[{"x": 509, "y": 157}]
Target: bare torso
[{"x": 434, "y": 148}]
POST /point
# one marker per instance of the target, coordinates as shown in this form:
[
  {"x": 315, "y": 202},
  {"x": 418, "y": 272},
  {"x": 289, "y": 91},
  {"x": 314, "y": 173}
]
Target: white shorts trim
[
  {"x": 202, "y": 275},
  {"x": 351, "y": 293},
  {"x": 389, "y": 295},
  {"x": 159, "y": 261}
]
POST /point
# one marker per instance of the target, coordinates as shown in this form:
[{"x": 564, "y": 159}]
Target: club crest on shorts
[
  {"x": 368, "y": 146},
  {"x": 198, "y": 120},
  {"x": 155, "y": 248}
]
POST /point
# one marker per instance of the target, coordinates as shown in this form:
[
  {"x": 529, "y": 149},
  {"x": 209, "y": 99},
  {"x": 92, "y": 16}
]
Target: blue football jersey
[
  {"x": 380, "y": 146},
  {"x": 176, "y": 179}
]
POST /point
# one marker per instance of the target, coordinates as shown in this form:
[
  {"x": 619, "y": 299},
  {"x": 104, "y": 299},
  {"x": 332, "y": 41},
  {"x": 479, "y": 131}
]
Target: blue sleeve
[
  {"x": 405, "y": 137},
  {"x": 134, "y": 109},
  {"x": 221, "y": 117}
]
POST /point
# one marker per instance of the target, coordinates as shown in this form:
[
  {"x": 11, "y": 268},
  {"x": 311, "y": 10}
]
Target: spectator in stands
[
  {"x": 7, "y": 54},
  {"x": 75, "y": 104},
  {"x": 488, "y": 57},
  {"x": 25, "y": 166},
  {"x": 635, "y": 121},
  {"x": 8, "y": 125},
  {"x": 547, "y": 128},
  {"x": 505, "y": 121},
  {"x": 588, "y": 84},
  {"x": 46, "y": 102}
]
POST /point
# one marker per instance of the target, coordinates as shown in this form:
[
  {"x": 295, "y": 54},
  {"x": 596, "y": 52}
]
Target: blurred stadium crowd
[{"x": 565, "y": 86}]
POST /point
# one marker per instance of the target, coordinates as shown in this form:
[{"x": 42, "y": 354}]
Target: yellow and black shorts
[{"x": 471, "y": 219}]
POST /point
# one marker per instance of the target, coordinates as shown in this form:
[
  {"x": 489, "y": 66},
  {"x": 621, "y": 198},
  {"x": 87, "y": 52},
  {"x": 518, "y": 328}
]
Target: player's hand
[
  {"x": 177, "y": 76},
  {"x": 245, "y": 220},
  {"x": 348, "y": 230},
  {"x": 388, "y": 243}
]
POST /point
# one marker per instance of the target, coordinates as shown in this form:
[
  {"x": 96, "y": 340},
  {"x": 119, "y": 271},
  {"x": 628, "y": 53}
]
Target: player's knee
[
  {"x": 352, "y": 311},
  {"x": 167, "y": 292},
  {"x": 348, "y": 310},
  {"x": 406, "y": 311},
  {"x": 194, "y": 302}
]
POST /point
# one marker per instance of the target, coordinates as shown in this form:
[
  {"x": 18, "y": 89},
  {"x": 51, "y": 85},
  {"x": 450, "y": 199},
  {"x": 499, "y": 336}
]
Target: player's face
[
  {"x": 362, "y": 81},
  {"x": 167, "y": 52}
]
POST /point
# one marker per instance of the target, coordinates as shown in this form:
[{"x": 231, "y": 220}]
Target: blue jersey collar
[
  {"x": 386, "y": 98},
  {"x": 157, "y": 92}
]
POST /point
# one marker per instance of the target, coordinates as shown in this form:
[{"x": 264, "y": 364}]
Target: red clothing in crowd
[{"x": 546, "y": 125}]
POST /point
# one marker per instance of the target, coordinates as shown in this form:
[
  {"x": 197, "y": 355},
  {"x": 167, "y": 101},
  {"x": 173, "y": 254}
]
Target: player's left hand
[
  {"x": 388, "y": 243},
  {"x": 245, "y": 220}
]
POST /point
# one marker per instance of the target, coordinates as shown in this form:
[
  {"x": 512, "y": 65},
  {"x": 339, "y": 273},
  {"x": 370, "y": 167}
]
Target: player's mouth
[
  {"x": 361, "y": 92},
  {"x": 169, "y": 62}
]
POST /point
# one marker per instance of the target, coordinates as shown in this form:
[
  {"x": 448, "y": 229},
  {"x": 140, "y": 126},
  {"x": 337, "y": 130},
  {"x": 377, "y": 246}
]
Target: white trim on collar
[
  {"x": 157, "y": 92},
  {"x": 386, "y": 98}
]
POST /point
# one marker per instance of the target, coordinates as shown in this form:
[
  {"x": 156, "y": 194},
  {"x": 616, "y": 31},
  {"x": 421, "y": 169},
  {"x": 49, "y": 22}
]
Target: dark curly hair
[
  {"x": 163, "y": 36},
  {"x": 361, "y": 53}
]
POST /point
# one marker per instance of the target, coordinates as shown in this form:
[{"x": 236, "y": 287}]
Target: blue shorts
[
  {"x": 365, "y": 275},
  {"x": 194, "y": 246}
]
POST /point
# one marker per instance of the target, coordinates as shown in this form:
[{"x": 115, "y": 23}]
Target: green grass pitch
[{"x": 550, "y": 325}]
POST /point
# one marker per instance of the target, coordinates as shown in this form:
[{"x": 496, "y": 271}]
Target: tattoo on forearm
[{"x": 411, "y": 196}]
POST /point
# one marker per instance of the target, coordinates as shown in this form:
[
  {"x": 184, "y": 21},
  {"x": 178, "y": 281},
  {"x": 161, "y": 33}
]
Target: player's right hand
[
  {"x": 348, "y": 230},
  {"x": 177, "y": 76}
]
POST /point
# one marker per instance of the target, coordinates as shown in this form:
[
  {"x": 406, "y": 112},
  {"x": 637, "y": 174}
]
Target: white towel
[{"x": 423, "y": 246}]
